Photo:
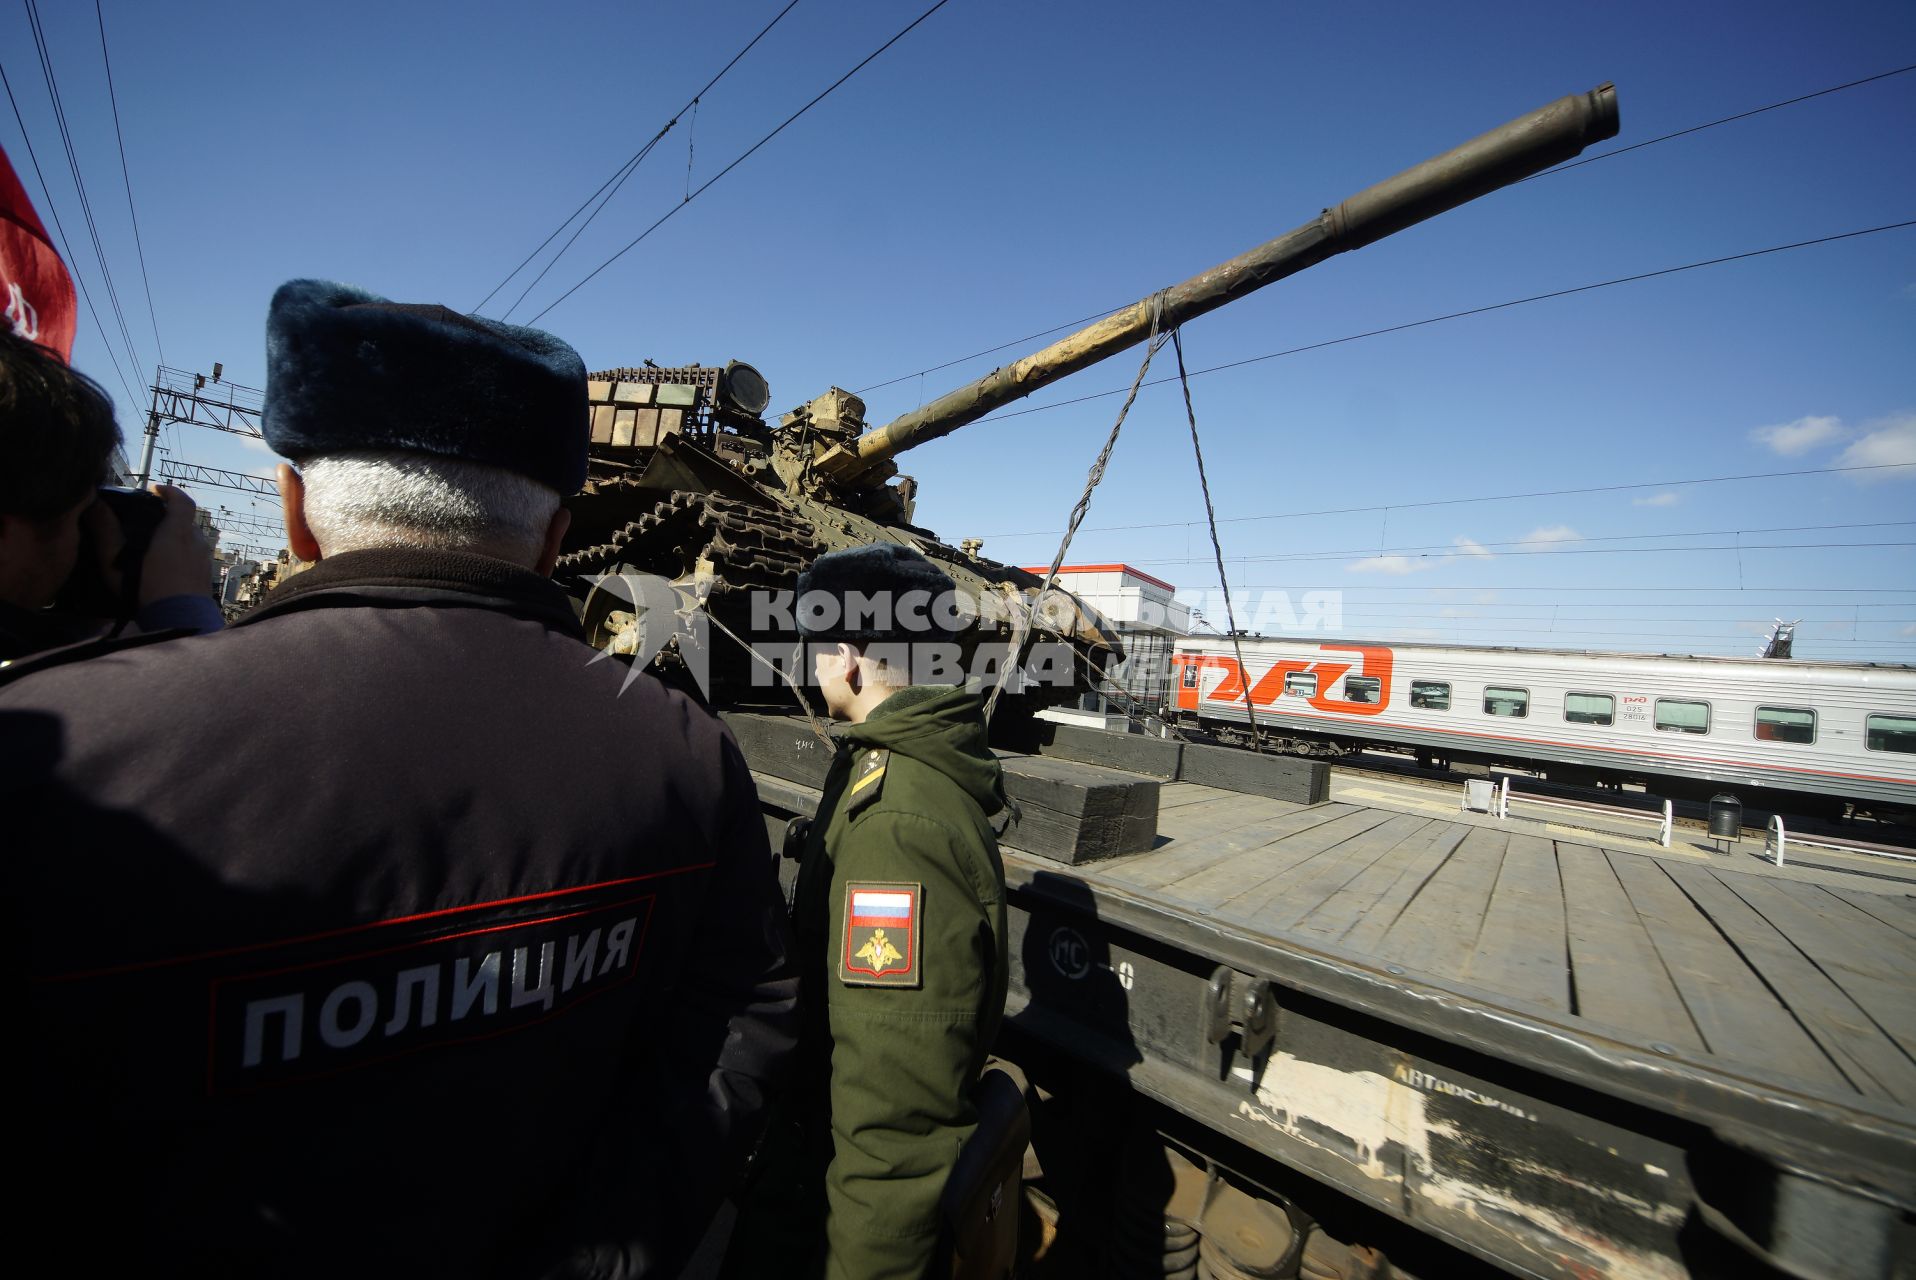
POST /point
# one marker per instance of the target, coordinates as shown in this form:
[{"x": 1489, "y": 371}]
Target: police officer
[
  {"x": 899, "y": 910},
  {"x": 384, "y": 932}
]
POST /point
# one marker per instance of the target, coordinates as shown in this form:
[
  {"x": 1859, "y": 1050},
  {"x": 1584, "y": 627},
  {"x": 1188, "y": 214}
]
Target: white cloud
[
  {"x": 1472, "y": 548},
  {"x": 257, "y": 445},
  {"x": 1548, "y": 536},
  {"x": 1887, "y": 441},
  {"x": 1668, "y": 498},
  {"x": 1791, "y": 439},
  {"x": 1910, "y": 630},
  {"x": 1397, "y": 565}
]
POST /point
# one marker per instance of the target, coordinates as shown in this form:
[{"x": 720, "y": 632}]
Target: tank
[{"x": 689, "y": 484}]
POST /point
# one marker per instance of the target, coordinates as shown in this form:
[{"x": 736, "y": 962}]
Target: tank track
[{"x": 752, "y": 544}]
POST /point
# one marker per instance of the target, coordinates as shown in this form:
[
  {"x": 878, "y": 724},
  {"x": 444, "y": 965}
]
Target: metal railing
[
  {"x": 1497, "y": 804},
  {"x": 1777, "y": 841}
]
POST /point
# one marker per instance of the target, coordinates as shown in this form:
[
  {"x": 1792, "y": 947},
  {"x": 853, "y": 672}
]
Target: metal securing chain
[
  {"x": 1022, "y": 626},
  {"x": 1217, "y": 550},
  {"x": 691, "y": 135},
  {"x": 797, "y": 692}
]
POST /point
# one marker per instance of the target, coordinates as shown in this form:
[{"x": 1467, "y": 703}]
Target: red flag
[{"x": 35, "y": 290}]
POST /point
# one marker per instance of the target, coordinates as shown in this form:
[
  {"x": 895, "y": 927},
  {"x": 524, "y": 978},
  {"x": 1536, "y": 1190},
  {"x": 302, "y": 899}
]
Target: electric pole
[{"x": 183, "y": 398}]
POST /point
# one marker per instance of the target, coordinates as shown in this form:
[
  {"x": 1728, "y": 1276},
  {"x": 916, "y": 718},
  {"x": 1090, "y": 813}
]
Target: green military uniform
[{"x": 900, "y": 915}]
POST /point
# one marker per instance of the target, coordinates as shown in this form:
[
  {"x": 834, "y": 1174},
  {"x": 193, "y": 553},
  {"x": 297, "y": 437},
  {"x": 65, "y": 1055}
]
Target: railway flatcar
[{"x": 1811, "y": 737}]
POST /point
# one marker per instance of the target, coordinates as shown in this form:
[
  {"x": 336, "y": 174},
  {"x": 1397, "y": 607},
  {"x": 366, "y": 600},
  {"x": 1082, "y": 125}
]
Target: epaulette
[
  {"x": 48, "y": 659},
  {"x": 868, "y": 778}
]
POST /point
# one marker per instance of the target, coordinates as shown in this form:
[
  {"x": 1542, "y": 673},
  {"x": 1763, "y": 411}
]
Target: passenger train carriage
[{"x": 1683, "y": 726}]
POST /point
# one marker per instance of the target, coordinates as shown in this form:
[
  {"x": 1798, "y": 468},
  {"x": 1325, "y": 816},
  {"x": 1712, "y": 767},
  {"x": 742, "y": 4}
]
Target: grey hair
[{"x": 390, "y": 498}]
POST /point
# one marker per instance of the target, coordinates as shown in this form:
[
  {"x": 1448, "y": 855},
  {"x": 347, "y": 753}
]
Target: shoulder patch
[
  {"x": 880, "y": 946},
  {"x": 868, "y": 778}
]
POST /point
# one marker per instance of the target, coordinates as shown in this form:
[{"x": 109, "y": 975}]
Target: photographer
[{"x": 70, "y": 562}]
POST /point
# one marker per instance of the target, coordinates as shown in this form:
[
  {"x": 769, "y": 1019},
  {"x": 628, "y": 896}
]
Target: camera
[{"x": 90, "y": 591}]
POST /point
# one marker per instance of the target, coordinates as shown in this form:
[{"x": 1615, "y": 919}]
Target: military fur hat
[
  {"x": 883, "y": 573},
  {"x": 347, "y": 370}
]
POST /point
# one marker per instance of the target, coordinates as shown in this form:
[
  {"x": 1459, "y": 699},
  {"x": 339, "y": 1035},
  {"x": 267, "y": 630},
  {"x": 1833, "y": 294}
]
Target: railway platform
[{"x": 1748, "y": 853}]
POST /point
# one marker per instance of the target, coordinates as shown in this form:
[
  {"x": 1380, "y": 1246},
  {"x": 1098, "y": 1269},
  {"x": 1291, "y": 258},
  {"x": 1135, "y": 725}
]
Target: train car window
[
  {"x": 1300, "y": 684},
  {"x": 1189, "y": 678},
  {"x": 1514, "y": 703},
  {"x": 1890, "y": 733},
  {"x": 1785, "y": 724},
  {"x": 1679, "y": 715},
  {"x": 1589, "y": 708},
  {"x": 1363, "y": 688},
  {"x": 1430, "y": 695}
]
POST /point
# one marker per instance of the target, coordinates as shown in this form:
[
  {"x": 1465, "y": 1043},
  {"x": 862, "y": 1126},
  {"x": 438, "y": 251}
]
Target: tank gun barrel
[{"x": 1507, "y": 154}]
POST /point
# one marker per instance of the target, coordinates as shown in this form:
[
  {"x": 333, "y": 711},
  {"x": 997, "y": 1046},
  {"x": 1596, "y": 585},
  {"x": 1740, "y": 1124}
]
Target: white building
[{"x": 1148, "y": 616}]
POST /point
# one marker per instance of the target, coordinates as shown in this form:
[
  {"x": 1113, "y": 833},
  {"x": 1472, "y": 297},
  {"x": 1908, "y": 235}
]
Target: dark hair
[{"x": 57, "y": 431}]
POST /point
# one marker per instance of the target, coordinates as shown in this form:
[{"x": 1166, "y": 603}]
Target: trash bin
[
  {"x": 1479, "y": 795},
  {"x": 1726, "y": 818}
]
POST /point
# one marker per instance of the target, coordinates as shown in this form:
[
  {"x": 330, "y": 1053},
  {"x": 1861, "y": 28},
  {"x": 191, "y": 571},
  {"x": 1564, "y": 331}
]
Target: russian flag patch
[{"x": 880, "y": 946}]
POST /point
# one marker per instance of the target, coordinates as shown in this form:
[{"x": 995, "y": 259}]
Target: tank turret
[{"x": 690, "y": 485}]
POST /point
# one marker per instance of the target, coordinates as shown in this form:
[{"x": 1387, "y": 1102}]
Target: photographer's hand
[{"x": 178, "y": 562}]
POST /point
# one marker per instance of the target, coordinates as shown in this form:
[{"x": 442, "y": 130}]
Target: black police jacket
[{"x": 383, "y": 933}]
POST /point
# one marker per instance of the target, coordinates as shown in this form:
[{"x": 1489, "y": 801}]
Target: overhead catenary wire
[
  {"x": 1015, "y": 342},
  {"x": 1578, "y": 618},
  {"x": 1471, "y": 311},
  {"x": 79, "y": 181},
  {"x": 1468, "y": 548},
  {"x": 1775, "y": 589},
  {"x": 1494, "y": 497},
  {"x": 1571, "y": 629},
  {"x": 60, "y": 229},
  {"x": 1364, "y": 556},
  {"x": 1696, "y": 646},
  {"x": 1729, "y": 119},
  {"x": 631, "y": 168},
  {"x": 617, "y": 179},
  {"x": 127, "y": 179},
  {"x": 1562, "y": 168},
  {"x": 709, "y": 182},
  {"x": 1884, "y": 645},
  {"x": 625, "y": 171}
]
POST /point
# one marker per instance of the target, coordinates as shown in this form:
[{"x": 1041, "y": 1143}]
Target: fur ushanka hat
[
  {"x": 348, "y": 370},
  {"x": 885, "y": 573}
]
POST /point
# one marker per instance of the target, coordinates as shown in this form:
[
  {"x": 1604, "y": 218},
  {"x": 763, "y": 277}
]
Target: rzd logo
[{"x": 1373, "y": 662}]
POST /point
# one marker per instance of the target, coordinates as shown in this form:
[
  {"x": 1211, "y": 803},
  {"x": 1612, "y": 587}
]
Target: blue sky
[{"x": 1008, "y": 167}]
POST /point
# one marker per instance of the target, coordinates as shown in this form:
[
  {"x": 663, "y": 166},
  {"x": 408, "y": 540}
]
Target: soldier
[
  {"x": 899, "y": 911},
  {"x": 382, "y": 934}
]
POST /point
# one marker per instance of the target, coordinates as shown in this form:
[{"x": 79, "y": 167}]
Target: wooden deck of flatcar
[
  {"x": 1568, "y": 1057},
  {"x": 1762, "y": 975}
]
